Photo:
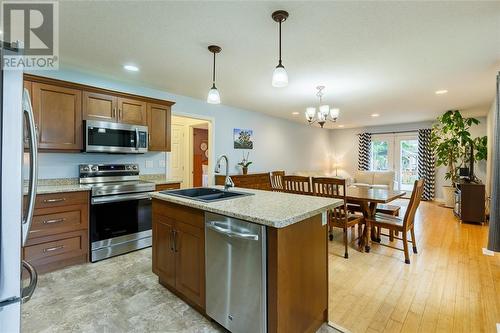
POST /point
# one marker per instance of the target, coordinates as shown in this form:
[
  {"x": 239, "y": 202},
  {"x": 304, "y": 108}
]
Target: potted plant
[
  {"x": 245, "y": 163},
  {"x": 450, "y": 141}
]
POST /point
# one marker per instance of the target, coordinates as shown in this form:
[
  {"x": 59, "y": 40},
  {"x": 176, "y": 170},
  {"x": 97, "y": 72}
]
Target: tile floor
[{"x": 120, "y": 294}]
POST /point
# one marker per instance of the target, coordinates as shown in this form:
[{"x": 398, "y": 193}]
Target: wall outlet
[
  {"x": 162, "y": 163},
  {"x": 149, "y": 164}
]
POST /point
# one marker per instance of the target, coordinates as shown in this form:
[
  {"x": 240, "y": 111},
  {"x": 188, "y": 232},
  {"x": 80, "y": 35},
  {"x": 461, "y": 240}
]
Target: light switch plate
[{"x": 149, "y": 164}]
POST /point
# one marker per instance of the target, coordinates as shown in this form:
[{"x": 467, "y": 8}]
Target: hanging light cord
[
  {"x": 213, "y": 73},
  {"x": 279, "y": 64}
]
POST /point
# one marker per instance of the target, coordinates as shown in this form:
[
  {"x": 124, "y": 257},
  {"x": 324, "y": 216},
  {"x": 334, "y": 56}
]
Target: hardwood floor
[{"x": 450, "y": 286}]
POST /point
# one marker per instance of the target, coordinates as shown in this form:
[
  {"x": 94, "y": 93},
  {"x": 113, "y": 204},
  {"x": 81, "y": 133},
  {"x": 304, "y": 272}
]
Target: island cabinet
[{"x": 179, "y": 251}]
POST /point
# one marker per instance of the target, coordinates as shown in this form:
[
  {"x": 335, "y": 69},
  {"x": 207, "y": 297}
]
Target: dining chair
[
  {"x": 297, "y": 185},
  {"x": 339, "y": 216},
  {"x": 396, "y": 224},
  {"x": 277, "y": 181}
]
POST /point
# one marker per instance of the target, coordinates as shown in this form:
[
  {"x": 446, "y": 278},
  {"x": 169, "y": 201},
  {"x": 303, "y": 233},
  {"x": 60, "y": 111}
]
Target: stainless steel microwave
[{"x": 108, "y": 137}]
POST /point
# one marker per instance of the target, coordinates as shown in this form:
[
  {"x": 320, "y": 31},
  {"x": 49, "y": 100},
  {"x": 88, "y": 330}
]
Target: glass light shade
[
  {"x": 334, "y": 113},
  {"x": 280, "y": 77},
  {"x": 324, "y": 110},
  {"x": 213, "y": 96},
  {"x": 322, "y": 117},
  {"x": 310, "y": 113}
]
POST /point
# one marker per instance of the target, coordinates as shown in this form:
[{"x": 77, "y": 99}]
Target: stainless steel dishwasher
[{"x": 236, "y": 273}]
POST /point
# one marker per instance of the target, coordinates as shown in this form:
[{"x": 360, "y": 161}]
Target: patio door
[{"x": 398, "y": 152}]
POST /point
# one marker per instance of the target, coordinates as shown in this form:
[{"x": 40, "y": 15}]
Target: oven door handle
[{"x": 120, "y": 197}]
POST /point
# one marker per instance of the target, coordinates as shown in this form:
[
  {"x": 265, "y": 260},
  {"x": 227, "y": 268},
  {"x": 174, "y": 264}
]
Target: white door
[
  {"x": 399, "y": 153},
  {"x": 177, "y": 153}
]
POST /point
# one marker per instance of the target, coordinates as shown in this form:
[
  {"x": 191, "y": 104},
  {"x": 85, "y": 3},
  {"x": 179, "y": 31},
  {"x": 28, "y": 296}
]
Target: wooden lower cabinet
[
  {"x": 165, "y": 187},
  {"x": 179, "y": 251},
  {"x": 59, "y": 233}
]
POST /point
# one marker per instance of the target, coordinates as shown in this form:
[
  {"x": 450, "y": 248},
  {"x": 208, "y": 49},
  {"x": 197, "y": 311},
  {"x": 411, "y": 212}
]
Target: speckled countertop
[
  {"x": 268, "y": 208},
  {"x": 159, "y": 179}
]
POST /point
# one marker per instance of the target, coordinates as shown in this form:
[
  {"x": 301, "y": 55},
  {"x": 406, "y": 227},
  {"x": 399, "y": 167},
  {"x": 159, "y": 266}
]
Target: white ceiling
[{"x": 373, "y": 57}]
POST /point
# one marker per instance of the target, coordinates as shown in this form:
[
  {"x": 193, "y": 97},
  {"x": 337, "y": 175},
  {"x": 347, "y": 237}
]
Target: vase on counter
[{"x": 245, "y": 170}]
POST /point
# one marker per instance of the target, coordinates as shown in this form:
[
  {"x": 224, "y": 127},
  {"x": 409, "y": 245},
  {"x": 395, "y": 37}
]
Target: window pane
[{"x": 380, "y": 158}]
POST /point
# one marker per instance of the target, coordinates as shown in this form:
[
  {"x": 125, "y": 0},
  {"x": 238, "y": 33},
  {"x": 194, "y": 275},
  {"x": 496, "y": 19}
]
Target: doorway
[
  {"x": 398, "y": 152},
  {"x": 189, "y": 159}
]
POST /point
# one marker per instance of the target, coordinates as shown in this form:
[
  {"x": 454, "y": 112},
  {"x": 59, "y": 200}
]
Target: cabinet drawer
[
  {"x": 61, "y": 248},
  {"x": 164, "y": 187},
  {"x": 61, "y": 199},
  {"x": 59, "y": 222}
]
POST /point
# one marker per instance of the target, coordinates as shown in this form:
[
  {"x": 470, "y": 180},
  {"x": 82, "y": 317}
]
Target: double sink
[{"x": 205, "y": 194}]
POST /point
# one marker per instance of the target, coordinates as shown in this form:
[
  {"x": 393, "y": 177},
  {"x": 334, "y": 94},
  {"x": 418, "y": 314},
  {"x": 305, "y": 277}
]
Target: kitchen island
[{"x": 296, "y": 265}]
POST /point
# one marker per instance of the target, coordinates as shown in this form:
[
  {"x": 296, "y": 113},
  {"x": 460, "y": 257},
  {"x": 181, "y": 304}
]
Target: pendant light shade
[
  {"x": 213, "y": 94},
  {"x": 280, "y": 77},
  {"x": 324, "y": 113}
]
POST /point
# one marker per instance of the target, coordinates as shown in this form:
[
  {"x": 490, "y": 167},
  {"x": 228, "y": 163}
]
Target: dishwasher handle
[{"x": 228, "y": 232}]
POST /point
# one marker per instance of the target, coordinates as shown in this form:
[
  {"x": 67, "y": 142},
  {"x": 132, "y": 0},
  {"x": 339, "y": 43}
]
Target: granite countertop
[
  {"x": 273, "y": 209},
  {"x": 46, "y": 189},
  {"x": 159, "y": 179}
]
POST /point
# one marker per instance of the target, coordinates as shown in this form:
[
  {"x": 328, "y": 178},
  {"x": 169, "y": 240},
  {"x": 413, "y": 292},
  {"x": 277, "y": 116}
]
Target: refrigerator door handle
[
  {"x": 28, "y": 291},
  {"x": 33, "y": 172}
]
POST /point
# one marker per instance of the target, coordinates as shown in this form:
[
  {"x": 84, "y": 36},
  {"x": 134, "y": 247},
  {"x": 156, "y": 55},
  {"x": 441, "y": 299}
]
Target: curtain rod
[{"x": 395, "y": 132}]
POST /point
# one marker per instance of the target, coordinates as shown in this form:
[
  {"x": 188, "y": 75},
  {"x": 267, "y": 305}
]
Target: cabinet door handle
[
  {"x": 54, "y": 221},
  {"x": 55, "y": 248},
  {"x": 175, "y": 241},
  {"x": 113, "y": 113},
  {"x": 172, "y": 240},
  {"x": 54, "y": 200},
  {"x": 120, "y": 113}
]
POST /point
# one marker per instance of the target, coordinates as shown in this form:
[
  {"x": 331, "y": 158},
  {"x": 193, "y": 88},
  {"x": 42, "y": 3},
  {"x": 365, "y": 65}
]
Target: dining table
[{"x": 368, "y": 198}]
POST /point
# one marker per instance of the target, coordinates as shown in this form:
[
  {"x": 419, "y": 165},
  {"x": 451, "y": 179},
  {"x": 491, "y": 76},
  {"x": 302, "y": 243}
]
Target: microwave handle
[{"x": 136, "y": 138}]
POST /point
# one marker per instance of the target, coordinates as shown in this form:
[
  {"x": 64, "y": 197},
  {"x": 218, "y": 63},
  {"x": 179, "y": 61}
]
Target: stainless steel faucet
[{"x": 228, "y": 182}]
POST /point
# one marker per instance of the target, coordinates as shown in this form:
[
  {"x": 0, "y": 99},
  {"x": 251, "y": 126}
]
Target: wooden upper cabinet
[
  {"x": 98, "y": 106},
  {"x": 58, "y": 116},
  {"x": 27, "y": 85},
  {"x": 132, "y": 111},
  {"x": 159, "y": 126}
]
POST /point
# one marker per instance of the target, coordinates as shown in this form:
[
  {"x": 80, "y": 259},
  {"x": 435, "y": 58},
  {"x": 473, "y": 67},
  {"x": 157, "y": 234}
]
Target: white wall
[
  {"x": 345, "y": 148},
  {"x": 278, "y": 143}
]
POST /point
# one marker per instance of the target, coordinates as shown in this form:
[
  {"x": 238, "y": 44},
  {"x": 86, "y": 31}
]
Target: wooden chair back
[
  {"x": 416, "y": 196},
  {"x": 276, "y": 178},
  {"x": 297, "y": 185},
  {"x": 332, "y": 188}
]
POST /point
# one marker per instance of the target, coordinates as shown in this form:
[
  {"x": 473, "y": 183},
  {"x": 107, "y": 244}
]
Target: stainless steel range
[{"x": 120, "y": 210}]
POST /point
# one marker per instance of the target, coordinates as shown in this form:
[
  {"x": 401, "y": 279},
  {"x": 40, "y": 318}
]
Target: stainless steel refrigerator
[{"x": 17, "y": 143}]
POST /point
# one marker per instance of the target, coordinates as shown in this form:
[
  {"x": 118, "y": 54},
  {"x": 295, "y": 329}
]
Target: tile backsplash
[{"x": 65, "y": 165}]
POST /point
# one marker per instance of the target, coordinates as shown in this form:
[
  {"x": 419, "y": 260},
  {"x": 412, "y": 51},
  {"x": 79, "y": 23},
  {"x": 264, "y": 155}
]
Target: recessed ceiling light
[
  {"x": 441, "y": 92},
  {"x": 131, "y": 68},
  {"x": 341, "y": 126},
  {"x": 375, "y": 115},
  {"x": 295, "y": 113}
]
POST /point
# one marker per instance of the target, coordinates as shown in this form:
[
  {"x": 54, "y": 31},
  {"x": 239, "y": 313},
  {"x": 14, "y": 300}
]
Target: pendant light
[
  {"x": 213, "y": 94},
  {"x": 280, "y": 77}
]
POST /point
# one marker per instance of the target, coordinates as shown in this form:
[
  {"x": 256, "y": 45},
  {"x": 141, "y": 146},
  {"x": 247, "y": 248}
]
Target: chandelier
[{"x": 324, "y": 112}]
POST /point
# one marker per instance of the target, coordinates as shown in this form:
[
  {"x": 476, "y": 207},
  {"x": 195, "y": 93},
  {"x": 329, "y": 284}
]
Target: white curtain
[{"x": 494, "y": 232}]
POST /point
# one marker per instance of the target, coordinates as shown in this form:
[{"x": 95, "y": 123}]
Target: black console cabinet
[{"x": 470, "y": 202}]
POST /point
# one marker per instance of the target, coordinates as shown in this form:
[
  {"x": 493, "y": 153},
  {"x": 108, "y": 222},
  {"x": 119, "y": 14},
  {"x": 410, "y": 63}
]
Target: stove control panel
[{"x": 108, "y": 170}]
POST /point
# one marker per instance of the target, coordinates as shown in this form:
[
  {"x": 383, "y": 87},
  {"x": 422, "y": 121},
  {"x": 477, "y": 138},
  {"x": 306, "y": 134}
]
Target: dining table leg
[{"x": 369, "y": 209}]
